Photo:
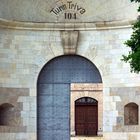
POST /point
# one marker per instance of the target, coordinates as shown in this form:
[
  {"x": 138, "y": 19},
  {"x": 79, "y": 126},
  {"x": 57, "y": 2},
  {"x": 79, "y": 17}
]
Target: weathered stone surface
[
  {"x": 91, "y": 11},
  {"x": 86, "y": 87},
  {"x": 26, "y": 47},
  {"x": 122, "y": 96},
  {"x": 69, "y": 41}
]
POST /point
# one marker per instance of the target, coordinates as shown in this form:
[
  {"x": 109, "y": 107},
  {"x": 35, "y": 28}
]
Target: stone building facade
[{"x": 36, "y": 34}]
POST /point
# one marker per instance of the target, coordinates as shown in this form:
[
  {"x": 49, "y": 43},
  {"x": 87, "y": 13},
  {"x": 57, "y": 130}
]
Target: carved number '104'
[{"x": 70, "y": 15}]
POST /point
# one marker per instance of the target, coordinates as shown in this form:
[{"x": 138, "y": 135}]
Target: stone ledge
[
  {"x": 12, "y": 129},
  {"x": 65, "y": 26},
  {"x": 86, "y": 87}
]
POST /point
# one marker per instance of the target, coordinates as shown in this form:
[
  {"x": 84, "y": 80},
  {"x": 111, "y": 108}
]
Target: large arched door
[
  {"x": 53, "y": 98},
  {"x": 86, "y": 116}
]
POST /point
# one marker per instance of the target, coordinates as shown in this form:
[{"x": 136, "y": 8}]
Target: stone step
[{"x": 86, "y": 138}]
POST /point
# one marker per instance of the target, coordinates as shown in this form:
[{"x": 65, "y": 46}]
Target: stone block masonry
[{"x": 23, "y": 53}]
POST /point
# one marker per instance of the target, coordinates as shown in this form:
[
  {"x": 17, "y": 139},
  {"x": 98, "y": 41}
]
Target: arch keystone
[{"x": 69, "y": 41}]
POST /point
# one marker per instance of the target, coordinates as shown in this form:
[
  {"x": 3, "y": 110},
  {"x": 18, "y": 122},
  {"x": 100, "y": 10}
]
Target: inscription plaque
[{"x": 70, "y": 10}]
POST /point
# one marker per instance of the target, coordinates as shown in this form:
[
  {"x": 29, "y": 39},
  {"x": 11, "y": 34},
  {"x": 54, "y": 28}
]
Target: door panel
[
  {"x": 80, "y": 120},
  {"x": 86, "y": 119},
  {"x": 53, "y": 112}
]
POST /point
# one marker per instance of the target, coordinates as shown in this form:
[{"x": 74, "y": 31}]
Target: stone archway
[{"x": 54, "y": 89}]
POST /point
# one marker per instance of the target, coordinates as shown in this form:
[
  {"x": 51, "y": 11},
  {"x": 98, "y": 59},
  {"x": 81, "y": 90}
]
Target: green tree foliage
[{"x": 134, "y": 43}]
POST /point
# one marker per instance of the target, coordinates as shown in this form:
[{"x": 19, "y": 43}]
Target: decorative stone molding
[
  {"x": 67, "y": 26},
  {"x": 69, "y": 41}
]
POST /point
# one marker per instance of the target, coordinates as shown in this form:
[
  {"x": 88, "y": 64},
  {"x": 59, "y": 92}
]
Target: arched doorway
[
  {"x": 53, "y": 98},
  {"x": 86, "y": 116}
]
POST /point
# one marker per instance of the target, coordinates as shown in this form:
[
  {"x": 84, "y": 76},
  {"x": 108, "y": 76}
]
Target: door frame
[{"x": 95, "y": 91}]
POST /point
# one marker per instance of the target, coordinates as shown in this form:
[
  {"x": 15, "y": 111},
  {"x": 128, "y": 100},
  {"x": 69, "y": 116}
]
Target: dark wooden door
[{"x": 86, "y": 120}]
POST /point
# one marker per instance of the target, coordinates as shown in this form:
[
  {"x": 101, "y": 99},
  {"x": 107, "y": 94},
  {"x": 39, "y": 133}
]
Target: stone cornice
[{"x": 64, "y": 26}]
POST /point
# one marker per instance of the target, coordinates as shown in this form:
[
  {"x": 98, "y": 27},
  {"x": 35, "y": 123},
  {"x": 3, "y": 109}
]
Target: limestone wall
[{"x": 24, "y": 52}]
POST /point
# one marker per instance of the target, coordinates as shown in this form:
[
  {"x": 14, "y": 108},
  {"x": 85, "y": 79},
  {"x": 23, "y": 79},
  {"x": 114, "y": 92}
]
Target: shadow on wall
[
  {"x": 8, "y": 115},
  {"x": 131, "y": 114}
]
